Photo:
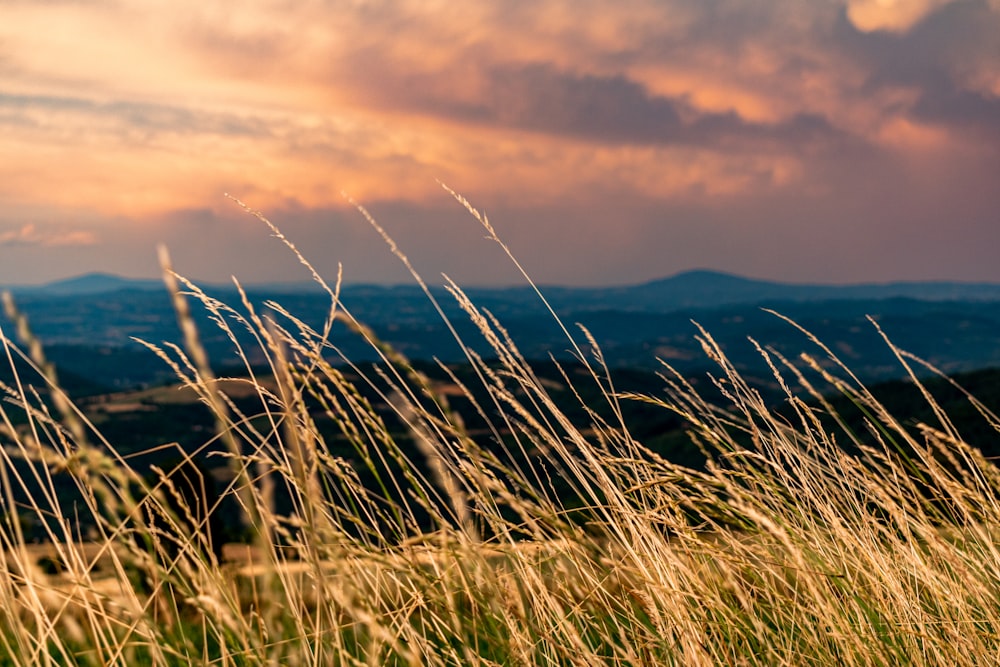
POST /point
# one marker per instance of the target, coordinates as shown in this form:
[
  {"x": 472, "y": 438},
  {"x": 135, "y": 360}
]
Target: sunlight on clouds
[
  {"x": 29, "y": 234},
  {"x": 911, "y": 137},
  {"x": 693, "y": 174},
  {"x": 128, "y": 51},
  {"x": 100, "y": 52},
  {"x": 891, "y": 15},
  {"x": 588, "y": 175},
  {"x": 297, "y": 96},
  {"x": 133, "y": 108}
]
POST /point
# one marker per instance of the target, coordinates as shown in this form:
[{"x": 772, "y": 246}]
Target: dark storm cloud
[
  {"x": 610, "y": 109},
  {"x": 946, "y": 103},
  {"x": 616, "y": 109}
]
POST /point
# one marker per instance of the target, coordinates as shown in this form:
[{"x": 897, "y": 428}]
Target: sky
[{"x": 608, "y": 142}]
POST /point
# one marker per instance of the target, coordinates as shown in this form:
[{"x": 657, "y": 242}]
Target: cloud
[
  {"x": 901, "y": 16},
  {"x": 943, "y": 69},
  {"x": 891, "y": 15},
  {"x": 612, "y": 109},
  {"x": 710, "y": 74},
  {"x": 128, "y": 111},
  {"x": 138, "y": 115},
  {"x": 30, "y": 235}
]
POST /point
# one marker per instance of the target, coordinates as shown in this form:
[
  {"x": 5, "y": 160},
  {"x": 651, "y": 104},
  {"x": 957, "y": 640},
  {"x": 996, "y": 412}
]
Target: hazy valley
[{"x": 88, "y": 324}]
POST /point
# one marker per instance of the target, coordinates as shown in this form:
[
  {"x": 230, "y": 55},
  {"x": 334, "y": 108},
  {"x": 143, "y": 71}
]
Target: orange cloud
[
  {"x": 30, "y": 234},
  {"x": 890, "y": 15},
  {"x": 301, "y": 102},
  {"x": 129, "y": 110}
]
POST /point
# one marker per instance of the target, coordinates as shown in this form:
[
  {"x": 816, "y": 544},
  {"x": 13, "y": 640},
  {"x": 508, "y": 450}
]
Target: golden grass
[{"x": 787, "y": 549}]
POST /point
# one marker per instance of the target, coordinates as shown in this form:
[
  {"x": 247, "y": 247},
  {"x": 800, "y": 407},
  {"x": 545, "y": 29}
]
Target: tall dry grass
[{"x": 802, "y": 542}]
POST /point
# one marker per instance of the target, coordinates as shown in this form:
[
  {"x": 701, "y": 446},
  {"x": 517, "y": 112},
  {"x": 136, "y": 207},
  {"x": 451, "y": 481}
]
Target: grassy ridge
[{"x": 808, "y": 538}]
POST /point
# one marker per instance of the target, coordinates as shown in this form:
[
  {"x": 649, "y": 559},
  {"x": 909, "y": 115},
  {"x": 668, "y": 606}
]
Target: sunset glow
[{"x": 609, "y": 142}]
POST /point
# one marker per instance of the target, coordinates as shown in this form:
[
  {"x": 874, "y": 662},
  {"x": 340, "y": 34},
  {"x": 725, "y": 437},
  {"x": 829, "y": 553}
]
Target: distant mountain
[
  {"x": 102, "y": 283},
  {"x": 94, "y": 283},
  {"x": 710, "y": 289},
  {"x": 690, "y": 289},
  {"x": 956, "y": 326}
]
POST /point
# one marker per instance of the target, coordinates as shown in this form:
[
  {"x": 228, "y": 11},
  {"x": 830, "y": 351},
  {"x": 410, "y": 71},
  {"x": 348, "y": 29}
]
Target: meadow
[{"x": 544, "y": 537}]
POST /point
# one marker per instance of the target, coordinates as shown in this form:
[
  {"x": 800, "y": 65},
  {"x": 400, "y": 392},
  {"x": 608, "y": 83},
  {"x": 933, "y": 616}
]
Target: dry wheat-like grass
[{"x": 802, "y": 542}]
